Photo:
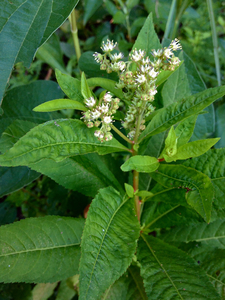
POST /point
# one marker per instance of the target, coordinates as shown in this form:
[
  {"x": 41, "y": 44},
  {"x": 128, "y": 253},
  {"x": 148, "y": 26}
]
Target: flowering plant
[{"x": 147, "y": 235}]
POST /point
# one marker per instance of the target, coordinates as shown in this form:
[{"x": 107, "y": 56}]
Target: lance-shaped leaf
[
  {"x": 184, "y": 130},
  {"x": 199, "y": 188},
  {"x": 192, "y": 149},
  {"x": 24, "y": 27},
  {"x": 106, "y": 84},
  {"x": 165, "y": 74},
  {"x": 108, "y": 242},
  {"x": 83, "y": 173},
  {"x": 57, "y": 140},
  {"x": 181, "y": 110},
  {"x": 40, "y": 249},
  {"x": 128, "y": 287},
  {"x": 70, "y": 86},
  {"x": 212, "y": 234},
  {"x": 59, "y": 104},
  {"x": 170, "y": 273},
  {"x": 85, "y": 90},
  {"x": 212, "y": 163},
  {"x": 140, "y": 163}
]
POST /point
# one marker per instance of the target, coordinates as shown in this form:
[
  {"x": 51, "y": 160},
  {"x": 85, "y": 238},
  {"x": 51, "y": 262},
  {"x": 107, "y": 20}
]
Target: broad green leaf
[
  {"x": 90, "y": 7},
  {"x": 108, "y": 242},
  {"x": 129, "y": 190},
  {"x": 51, "y": 53},
  {"x": 40, "y": 249},
  {"x": 19, "y": 102},
  {"x": 170, "y": 273},
  {"x": 200, "y": 192},
  {"x": 164, "y": 75},
  {"x": 119, "y": 17},
  {"x": 8, "y": 212},
  {"x": 184, "y": 130},
  {"x": 220, "y": 125},
  {"x": 57, "y": 140},
  {"x": 128, "y": 287},
  {"x": 181, "y": 110},
  {"x": 85, "y": 90},
  {"x": 13, "y": 179},
  {"x": 211, "y": 235},
  {"x": 212, "y": 163},
  {"x": 83, "y": 173},
  {"x": 70, "y": 86},
  {"x": 192, "y": 149},
  {"x": 147, "y": 38},
  {"x": 43, "y": 291},
  {"x": 59, "y": 104},
  {"x": 13, "y": 133},
  {"x": 144, "y": 195},
  {"x": 65, "y": 292},
  {"x": 163, "y": 215},
  {"x": 140, "y": 163},
  {"x": 91, "y": 68},
  {"x": 107, "y": 84},
  {"x": 24, "y": 27}
]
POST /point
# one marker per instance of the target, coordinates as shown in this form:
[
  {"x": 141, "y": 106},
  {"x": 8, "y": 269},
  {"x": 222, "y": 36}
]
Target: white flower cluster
[
  {"x": 139, "y": 85},
  {"x": 103, "y": 110}
]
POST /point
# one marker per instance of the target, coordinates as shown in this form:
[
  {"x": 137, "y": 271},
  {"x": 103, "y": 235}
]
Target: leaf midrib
[
  {"x": 39, "y": 249},
  {"x": 161, "y": 266}
]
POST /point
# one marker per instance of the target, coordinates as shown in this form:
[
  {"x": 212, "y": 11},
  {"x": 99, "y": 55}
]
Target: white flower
[
  {"x": 137, "y": 55},
  {"x": 157, "y": 53},
  {"x": 104, "y": 108},
  {"x": 141, "y": 78},
  {"x": 108, "y": 46},
  {"x": 107, "y": 119},
  {"x": 157, "y": 63},
  {"x": 144, "y": 68},
  {"x": 152, "y": 73},
  {"x": 116, "y": 56},
  {"x": 98, "y": 57},
  {"x": 152, "y": 92},
  {"x": 90, "y": 102},
  {"x": 95, "y": 114},
  {"x": 108, "y": 137},
  {"x": 146, "y": 61},
  {"x": 97, "y": 133},
  {"x": 107, "y": 97},
  {"x": 168, "y": 53},
  {"x": 175, "y": 45},
  {"x": 118, "y": 66},
  {"x": 175, "y": 61}
]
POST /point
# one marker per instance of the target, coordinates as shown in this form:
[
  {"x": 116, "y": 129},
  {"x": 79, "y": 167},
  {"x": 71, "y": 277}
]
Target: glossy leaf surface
[
  {"x": 59, "y": 104},
  {"x": 139, "y": 163}
]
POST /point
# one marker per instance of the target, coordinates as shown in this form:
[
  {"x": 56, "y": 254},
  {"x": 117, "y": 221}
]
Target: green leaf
[
  {"x": 8, "y": 212},
  {"x": 85, "y": 90},
  {"x": 163, "y": 215},
  {"x": 106, "y": 84},
  {"x": 147, "y": 38},
  {"x": 192, "y": 149},
  {"x": 181, "y": 110},
  {"x": 70, "y": 86},
  {"x": 27, "y": 21},
  {"x": 65, "y": 292},
  {"x": 140, "y": 163},
  {"x": 129, "y": 190},
  {"x": 91, "y": 68},
  {"x": 83, "y": 173},
  {"x": 119, "y": 17},
  {"x": 220, "y": 125},
  {"x": 40, "y": 249},
  {"x": 200, "y": 192},
  {"x": 170, "y": 273},
  {"x": 108, "y": 242},
  {"x": 165, "y": 74},
  {"x": 184, "y": 130},
  {"x": 42, "y": 291},
  {"x": 210, "y": 235},
  {"x": 57, "y": 140},
  {"x": 128, "y": 287},
  {"x": 171, "y": 143},
  {"x": 90, "y": 7},
  {"x": 19, "y": 102},
  {"x": 59, "y": 104},
  {"x": 212, "y": 163},
  {"x": 50, "y": 53}
]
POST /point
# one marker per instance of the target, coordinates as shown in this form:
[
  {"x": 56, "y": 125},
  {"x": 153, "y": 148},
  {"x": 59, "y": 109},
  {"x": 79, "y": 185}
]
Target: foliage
[{"x": 112, "y": 168}]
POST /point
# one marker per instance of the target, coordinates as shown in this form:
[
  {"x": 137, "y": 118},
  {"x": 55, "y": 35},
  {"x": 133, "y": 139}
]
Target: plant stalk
[
  {"x": 215, "y": 40},
  {"x": 121, "y": 134},
  {"x": 74, "y": 31}
]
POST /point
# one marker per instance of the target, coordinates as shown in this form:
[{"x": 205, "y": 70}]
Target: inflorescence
[{"x": 137, "y": 79}]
